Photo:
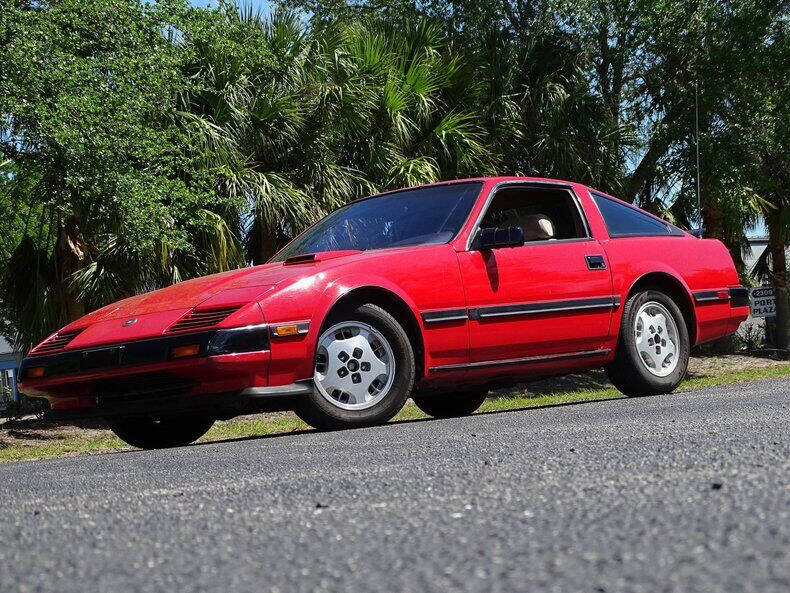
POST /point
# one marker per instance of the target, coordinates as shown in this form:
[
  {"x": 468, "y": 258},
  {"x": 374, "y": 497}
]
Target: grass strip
[{"x": 74, "y": 444}]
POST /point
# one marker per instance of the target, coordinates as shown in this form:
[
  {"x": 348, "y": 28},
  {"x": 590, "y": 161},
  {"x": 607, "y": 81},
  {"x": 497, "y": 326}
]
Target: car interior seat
[{"x": 537, "y": 227}]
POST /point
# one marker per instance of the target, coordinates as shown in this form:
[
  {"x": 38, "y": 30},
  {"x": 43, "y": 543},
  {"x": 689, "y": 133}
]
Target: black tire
[
  {"x": 319, "y": 413},
  {"x": 160, "y": 433},
  {"x": 450, "y": 405},
  {"x": 628, "y": 372}
]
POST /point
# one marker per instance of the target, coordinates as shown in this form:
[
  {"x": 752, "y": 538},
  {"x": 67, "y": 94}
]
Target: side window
[
  {"x": 624, "y": 221},
  {"x": 543, "y": 214}
]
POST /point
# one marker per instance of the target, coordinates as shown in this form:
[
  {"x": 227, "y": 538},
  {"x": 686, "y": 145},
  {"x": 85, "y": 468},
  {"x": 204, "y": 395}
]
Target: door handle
[{"x": 595, "y": 262}]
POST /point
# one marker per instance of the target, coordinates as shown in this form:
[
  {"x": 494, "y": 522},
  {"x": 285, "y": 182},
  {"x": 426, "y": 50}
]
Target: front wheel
[
  {"x": 364, "y": 370},
  {"x": 653, "y": 353},
  {"x": 450, "y": 405},
  {"x": 160, "y": 433}
]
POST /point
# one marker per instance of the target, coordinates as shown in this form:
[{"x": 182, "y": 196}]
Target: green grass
[
  {"x": 71, "y": 443},
  {"x": 60, "y": 447}
]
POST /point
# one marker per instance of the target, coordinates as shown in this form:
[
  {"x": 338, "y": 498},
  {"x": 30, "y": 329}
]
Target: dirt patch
[
  {"x": 38, "y": 432},
  {"x": 712, "y": 365},
  {"x": 699, "y": 366}
]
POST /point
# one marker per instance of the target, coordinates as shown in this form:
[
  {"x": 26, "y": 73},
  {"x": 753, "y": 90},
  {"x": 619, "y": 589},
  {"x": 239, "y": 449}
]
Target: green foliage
[
  {"x": 24, "y": 406},
  {"x": 145, "y": 143},
  {"x": 103, "y": 182},
  {"x": 311, "y": 121}
]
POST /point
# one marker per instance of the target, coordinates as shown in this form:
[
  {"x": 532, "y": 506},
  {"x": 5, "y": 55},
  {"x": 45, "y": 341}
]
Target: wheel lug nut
[
  {"x": 356, "y": 378},
  {"x": 342, "y": 371},
  {"x": 365, "y": 366},
  {"x": 343, "y": 356},
  {"x": 357, "y": 353}
]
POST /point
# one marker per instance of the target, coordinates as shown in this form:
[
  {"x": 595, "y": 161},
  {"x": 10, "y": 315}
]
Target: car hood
[{"x": 192, "y": 293}]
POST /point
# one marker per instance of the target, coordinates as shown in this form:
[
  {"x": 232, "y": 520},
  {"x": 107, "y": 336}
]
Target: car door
[{"x": 550, "y": 296}]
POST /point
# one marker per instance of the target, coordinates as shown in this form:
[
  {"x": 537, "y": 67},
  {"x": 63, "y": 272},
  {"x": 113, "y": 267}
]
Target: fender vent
[
  {"x": 201, "y": 319},
  {"x": 57, "y": 342}
]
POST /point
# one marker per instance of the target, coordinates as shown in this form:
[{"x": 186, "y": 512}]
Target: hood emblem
[{"x": 129, "y": 322}]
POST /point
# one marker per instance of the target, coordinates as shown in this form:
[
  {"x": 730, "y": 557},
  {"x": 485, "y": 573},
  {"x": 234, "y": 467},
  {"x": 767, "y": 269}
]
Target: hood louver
[
  {"x": 299, "y": 259},
  {"x": 201, "y": 319},
  {"x": 57, "y": 342}
]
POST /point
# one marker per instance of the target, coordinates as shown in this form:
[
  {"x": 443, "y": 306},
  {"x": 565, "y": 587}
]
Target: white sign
[{"x": 762, "y": 301}]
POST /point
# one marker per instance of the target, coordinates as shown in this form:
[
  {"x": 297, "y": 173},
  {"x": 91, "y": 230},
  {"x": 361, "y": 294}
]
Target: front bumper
[
  {"x": 143, "y": 373},
  {"x": 145, "y": 401}
]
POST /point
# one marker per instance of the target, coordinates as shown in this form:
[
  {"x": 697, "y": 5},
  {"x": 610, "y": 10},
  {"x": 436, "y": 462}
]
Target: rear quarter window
[{"x": 623, "y": 221}]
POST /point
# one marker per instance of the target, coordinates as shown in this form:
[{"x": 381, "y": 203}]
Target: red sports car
[{"x": 436, "y": 292}]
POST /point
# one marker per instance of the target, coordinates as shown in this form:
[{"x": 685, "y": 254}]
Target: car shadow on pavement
[{"x": 395, "y": 423}]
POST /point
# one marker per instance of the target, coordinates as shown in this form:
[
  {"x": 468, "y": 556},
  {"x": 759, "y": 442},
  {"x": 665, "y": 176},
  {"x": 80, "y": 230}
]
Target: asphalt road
[{"x": 687, "y": 492}]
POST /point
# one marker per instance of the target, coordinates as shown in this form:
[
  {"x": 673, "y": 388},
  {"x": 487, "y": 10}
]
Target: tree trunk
[
  {"x": 658, "y": 145},
  {"x": 776, "y": 247},
  {"x": 70, "y": 256},
  {"x": 268, "y": 245}
]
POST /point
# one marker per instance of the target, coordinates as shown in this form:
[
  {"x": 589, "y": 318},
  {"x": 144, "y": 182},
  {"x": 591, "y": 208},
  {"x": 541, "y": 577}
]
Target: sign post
[{"x": 762, "y": 301}]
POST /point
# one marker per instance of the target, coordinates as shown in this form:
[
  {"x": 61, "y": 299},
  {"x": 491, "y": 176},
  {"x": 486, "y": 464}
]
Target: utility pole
[{"x": 696, "y": 141}]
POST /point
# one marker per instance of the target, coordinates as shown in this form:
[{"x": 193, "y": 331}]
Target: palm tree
[
  {"x": 326, "y": 116},
  {"x": 541, "y": 113}
]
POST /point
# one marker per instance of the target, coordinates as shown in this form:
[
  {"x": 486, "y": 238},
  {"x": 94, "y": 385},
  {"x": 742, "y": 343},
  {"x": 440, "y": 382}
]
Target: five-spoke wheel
[
  {"x": 364, "y": 370},
  {"x": 656, "y": 336},
  {"x": 354, "y": 366},
  {"x": 653, "y": 352}
]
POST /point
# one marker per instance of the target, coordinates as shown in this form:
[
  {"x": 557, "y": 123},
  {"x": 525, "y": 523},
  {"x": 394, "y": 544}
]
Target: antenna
[{"x": 696, "y": 138}]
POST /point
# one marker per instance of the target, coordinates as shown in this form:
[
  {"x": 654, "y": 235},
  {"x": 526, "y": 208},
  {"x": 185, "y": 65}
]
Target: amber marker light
[
  {"x": 286, "y": 330},
  {"x": 34, "y": 372},
  {"x": 185, "y": 351}
]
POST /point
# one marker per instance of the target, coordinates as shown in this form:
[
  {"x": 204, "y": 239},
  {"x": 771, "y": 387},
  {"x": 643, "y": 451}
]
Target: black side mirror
[{"x": 492, "y": 238}]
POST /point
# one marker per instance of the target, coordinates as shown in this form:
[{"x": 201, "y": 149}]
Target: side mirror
[{"x": 492, "y": 238}]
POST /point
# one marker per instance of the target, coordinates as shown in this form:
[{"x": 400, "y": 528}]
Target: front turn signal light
[
  {"x": 185, "y": 351},
  {"x": 286, "y": 330},
  {"x": 34, "y": 372}
]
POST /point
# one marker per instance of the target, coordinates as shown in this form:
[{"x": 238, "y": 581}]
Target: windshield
[{"x": 421, "y": 216}]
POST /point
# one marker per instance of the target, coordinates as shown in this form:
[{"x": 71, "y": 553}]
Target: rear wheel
[
  {"x": 159, "y": 433},
  {"x": 364, "y": 370},
  {"x": 450, "y": 405},
  {"x": 653, "y": 353}
]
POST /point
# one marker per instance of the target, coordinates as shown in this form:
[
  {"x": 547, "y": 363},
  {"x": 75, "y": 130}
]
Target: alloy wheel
[
  {"x": 354, "y": 365},
  {"x": 656, "y": 337}
]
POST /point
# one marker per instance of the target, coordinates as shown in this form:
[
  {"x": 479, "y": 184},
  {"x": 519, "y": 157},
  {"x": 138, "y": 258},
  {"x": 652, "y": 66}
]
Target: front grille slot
[
  {"x": 57, "y": 342},
  {"x": 202, "y": 319},
  {"x": 139, "y": 388}
]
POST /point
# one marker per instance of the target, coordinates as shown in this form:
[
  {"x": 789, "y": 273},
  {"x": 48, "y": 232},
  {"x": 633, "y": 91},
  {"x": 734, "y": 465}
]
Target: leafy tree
[
  {"x": 145, "y": 143},
  {"x": 113, "y": 197},
  {"x": 313, "y": 119}
]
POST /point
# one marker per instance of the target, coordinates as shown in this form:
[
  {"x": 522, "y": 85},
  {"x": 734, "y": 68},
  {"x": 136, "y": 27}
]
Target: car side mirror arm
[{"x": 494, "y": 237}]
